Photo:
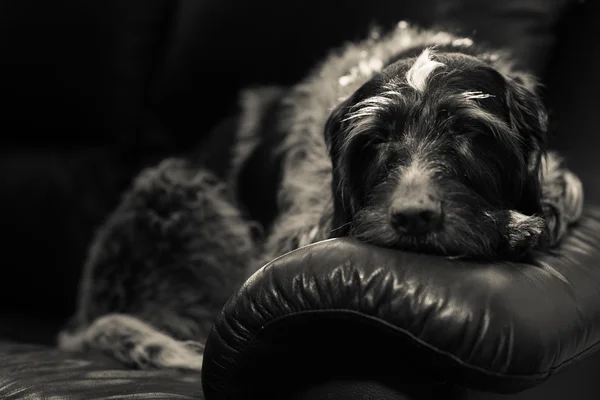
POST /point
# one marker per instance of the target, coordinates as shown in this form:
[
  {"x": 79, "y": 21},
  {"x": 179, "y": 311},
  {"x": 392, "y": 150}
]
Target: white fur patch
[
  {"x": 475, "y": 95},
  {"x": 466, "y": 42},
  {"x": 516, "y": 219},
  {"x": 365, "y": 68},
  {"x": 420, "y": 71},
  {"x": 523, "y": 228}
]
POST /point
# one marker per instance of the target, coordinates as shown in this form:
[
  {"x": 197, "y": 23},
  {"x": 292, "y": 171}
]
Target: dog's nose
[{"x": 416, "y": 215}]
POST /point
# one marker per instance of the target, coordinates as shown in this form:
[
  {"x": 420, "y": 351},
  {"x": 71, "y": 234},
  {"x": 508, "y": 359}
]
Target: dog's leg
[
  {"x": 521, "y": 233},
  {"x": 562, "y": 202},
  {"x": 524, "y": 232},
  {"x": 135, "y": 343},
  {"x": 562, "y": 197}
]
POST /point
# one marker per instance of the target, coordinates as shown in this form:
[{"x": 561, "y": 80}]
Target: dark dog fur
[
  {"x": 166, "y": 260},
  {"x": 418, "y": 140},
  {"x": 421, "y": 119}
]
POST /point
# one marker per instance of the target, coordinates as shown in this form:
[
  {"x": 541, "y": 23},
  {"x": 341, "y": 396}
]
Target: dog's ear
[
  {"x": 335, "y": 133},
  {"x": 335, "y": 127},
  {"x": 527, "y": 112},
  {"x": 528, "y": 117},
  {"x": 336, "y": 137}
]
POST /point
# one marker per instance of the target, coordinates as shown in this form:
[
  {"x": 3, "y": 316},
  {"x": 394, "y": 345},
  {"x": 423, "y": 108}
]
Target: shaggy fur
[
  {"x": 161, "y": 268},
  {"x": 344, "y": 152},
  {"x": 343, "y": 181}
]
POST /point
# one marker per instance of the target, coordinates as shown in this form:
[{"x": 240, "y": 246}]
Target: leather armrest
[{"x": 340, "y": 308}]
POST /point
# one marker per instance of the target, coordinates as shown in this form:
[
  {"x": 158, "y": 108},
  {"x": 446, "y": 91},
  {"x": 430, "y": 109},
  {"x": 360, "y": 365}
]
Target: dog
[{"x": 417, "y": 140}]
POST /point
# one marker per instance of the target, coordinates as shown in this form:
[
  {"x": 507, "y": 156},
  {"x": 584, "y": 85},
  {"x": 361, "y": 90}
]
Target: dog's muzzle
[{"x": 416, "y": 211}]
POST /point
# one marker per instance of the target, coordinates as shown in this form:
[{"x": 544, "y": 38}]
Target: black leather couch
[{"x": 95, "y": 91}]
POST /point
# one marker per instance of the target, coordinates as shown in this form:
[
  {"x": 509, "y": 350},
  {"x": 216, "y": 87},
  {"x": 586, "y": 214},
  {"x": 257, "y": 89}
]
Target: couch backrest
[
  {"x": 573, "y": 84},
  {"x": 110, "y": 72},
  {"x": 220, "y": 46},
  {"x": 75, "y": 72}
]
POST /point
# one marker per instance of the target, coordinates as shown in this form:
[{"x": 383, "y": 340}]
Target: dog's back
[{"x": 161, "y": 268}]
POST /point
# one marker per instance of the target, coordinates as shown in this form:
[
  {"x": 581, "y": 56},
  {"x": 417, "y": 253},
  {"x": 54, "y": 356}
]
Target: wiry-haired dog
[{"x": 418, "y": 140}]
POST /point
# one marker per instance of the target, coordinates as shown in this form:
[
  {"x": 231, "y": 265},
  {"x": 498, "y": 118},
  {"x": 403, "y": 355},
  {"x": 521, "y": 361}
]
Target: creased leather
[
  {"x": 499, "y": 326},
  {"x": 39, "y": 372}
]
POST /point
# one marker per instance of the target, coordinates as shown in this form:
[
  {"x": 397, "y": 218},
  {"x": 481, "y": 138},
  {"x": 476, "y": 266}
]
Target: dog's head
[{"x": 426, "y": 150}]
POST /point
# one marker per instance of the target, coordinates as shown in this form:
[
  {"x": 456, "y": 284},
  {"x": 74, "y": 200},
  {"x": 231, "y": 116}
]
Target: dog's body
[
  {"x": 417, "y": 140},
  {"x": 489, "y": 223}
]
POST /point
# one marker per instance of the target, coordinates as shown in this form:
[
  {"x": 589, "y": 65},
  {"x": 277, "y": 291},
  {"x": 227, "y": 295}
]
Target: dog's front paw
[
  {"x": 524, "y": 232},
  {"x": 158, "y": 353}
]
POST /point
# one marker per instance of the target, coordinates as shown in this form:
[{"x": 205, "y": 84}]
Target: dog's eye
[
  {"x": 377, "y": 141},
  {"x": 462, "y": 129},
  {"x": 467, "y": 133}
]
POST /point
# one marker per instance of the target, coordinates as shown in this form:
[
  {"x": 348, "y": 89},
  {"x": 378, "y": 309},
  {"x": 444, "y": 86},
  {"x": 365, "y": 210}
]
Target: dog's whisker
[{"x": 347, "y": 224}]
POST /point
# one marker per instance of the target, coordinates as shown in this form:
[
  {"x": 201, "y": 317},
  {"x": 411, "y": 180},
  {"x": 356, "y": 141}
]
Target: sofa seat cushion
[{"x": 41, "y": 372}]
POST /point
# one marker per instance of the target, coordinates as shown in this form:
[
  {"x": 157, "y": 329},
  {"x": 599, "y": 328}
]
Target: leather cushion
[
  {"x": 340, "y": 307},
  {"x": 40, "y": 372}
]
